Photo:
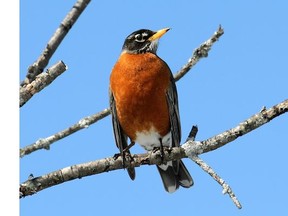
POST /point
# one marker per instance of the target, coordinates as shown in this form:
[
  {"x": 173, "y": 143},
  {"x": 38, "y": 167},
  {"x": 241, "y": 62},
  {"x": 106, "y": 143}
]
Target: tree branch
[
  {"x": 199, "y": 53},
  {"x": 255, "y": 121},
  {"x": 55, "y": 41},
  {"x": 41, "y": 81},
  {"x": 226, "y": 188},
  {"x": 188, "y": 149},
  {"x": 44, "y": 143},
  {"x": 208, "y": 169}
]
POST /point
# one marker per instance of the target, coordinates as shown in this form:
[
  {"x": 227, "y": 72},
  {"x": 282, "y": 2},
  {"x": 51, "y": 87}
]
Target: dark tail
[
  {"x": 131, "y": 171},
  {"x": 173, "y": 175}
]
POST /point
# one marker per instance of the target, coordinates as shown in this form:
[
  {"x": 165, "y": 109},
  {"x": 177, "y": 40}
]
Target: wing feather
[{"x": 120, "y": 136}]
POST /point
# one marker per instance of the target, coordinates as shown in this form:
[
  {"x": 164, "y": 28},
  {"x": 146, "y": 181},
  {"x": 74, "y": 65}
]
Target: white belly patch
[{"x": 150, "y": 139}]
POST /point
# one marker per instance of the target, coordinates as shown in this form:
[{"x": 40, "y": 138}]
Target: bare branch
[
  {"x": 226, "y": 188},
  {"x": 46, "y": 142},
  {"x": 244, "y": 127},
  {"x": 34, "y": 185},
  {"x": 41, "y": 81},
  {"x": 188, "y": 149},
  {"x": 208, "y": 169},
  {"x": 201, "y": 51},
  {"x": 55, "y": 41}
]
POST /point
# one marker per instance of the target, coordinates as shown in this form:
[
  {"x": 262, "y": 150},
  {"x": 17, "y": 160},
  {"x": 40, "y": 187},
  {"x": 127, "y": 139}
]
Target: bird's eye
[{"x": 139, "y": 38}]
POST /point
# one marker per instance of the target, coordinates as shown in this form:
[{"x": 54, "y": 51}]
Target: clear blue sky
[{"x": 245, "y": 70}]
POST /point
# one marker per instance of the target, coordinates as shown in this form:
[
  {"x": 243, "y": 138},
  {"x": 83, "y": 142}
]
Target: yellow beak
[{"x": 158, "y": 34}]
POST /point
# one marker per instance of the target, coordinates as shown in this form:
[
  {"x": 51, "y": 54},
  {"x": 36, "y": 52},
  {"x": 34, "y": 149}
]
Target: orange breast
[{"x": 139, "y": 83}]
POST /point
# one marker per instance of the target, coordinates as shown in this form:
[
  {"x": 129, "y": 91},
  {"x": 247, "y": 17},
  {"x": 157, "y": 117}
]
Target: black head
[{"x": 143, "y": 40}]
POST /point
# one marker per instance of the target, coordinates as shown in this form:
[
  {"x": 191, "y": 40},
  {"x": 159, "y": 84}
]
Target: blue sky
[{"x": 245, "y": 70}]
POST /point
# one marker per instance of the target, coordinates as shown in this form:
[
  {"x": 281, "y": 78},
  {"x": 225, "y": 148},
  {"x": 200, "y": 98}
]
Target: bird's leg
[
  {"x": 161, "y": 149},
  {"x": 126, "y": 152},
  {"x": 129, "y": 146},
  {"x": 115, "y": 156},
  {"x": 123, "y": 159}
]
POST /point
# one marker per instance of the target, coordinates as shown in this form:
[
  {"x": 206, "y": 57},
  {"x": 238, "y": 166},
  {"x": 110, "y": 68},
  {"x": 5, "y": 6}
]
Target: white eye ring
[{"x": 139, "y": 38}]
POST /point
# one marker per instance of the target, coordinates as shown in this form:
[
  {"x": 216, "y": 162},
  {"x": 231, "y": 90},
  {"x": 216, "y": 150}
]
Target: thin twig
[
  {"x": 45, "y": 143},
  {"x": 188, "y": 149},
  {"x": 193, "y": 133},
  {"x": 41, "y": 81},
  {"x": 201, "y": 51},
  {"x": 55, "y": 41},
  {"x": 226, "y": 188},
  {"x": 255, "y": 121}
]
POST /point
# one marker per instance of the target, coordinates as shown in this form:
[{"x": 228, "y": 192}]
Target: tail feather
[
  {"x": 184, "y": 177},
  {"x": 168, "y": 178},
  {"x": 172, "y": 179},
  {"x": 132, "y": 173}
]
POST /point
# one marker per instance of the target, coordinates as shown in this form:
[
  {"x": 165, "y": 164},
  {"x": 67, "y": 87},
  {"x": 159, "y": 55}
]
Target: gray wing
[
  {"x": 174, "y": 173},
  {"x": 119, "y": 135},
  {"x": 175, "y": 126},
  {"x": 172, "y": 100}
]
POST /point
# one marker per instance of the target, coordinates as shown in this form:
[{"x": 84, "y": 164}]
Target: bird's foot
[{"x": 161, "y": 150}]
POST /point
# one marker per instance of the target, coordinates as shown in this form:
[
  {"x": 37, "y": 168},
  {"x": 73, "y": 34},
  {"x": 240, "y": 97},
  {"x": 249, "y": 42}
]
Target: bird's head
[{"x": 143, "y": 40}]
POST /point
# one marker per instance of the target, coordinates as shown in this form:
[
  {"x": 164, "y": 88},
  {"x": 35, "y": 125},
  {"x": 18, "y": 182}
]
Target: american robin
[{"x": 144, "y": 104}]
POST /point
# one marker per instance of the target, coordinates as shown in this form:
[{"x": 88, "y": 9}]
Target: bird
[{"x": 144, "y": 104}]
